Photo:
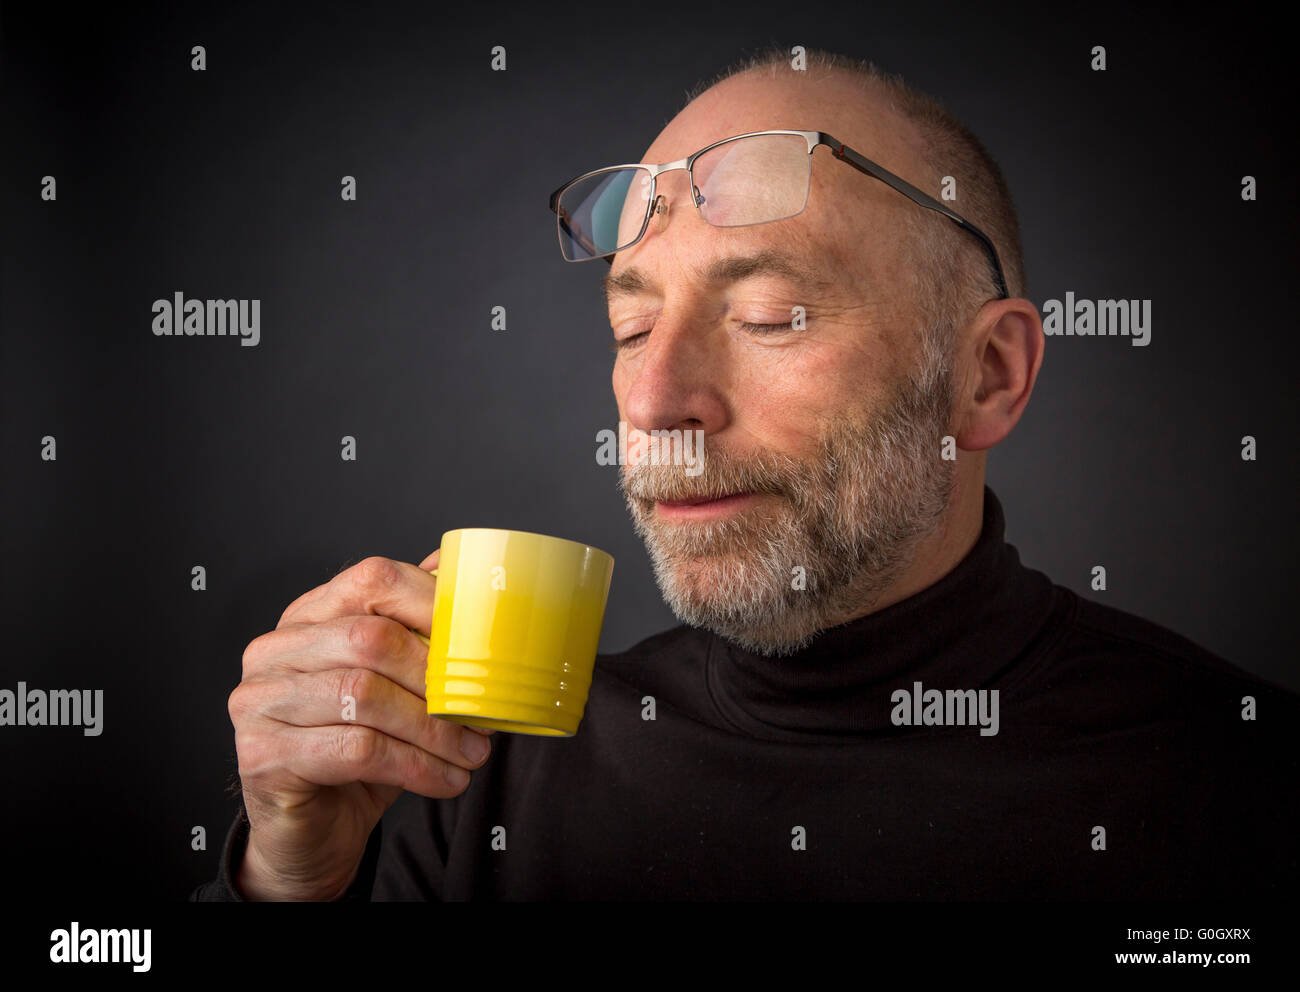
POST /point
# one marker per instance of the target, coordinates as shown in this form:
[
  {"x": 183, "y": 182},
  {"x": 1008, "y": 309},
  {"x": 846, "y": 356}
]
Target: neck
[
  {"x": 936, "y": 554},
  {"x": 967, "y": 628}
]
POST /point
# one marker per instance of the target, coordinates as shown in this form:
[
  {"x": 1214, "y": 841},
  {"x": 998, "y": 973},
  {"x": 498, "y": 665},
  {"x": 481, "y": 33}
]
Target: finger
[
  {"x": 358, "y": 695},
  {"x": 375, "y": 585},
  {"x": 432, "y": 560},
  {"x": 344, "y": 753},
  {"x": 378, "y": 643}
]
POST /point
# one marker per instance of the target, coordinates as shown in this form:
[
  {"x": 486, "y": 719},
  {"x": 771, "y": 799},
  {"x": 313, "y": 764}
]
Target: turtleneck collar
[{"x": 965, "y": 631}]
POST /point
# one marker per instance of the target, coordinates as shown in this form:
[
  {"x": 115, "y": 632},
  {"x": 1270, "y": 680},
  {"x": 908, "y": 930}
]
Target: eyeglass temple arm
[{"x": 863, "y": 164}]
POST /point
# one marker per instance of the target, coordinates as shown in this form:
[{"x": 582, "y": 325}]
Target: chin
[{"x": 699, "y": 589}]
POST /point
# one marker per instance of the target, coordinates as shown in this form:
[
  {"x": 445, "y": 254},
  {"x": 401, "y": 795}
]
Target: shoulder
[
  {"x": 1108, "y": 670},
  {"x": 1149, "y": 653}
]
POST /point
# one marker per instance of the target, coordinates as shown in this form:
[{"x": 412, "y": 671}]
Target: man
[{"x": 872, "y": 698}]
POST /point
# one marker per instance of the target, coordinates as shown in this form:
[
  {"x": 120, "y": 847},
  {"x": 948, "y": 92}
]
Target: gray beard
[{"x": 850, "y": 517}]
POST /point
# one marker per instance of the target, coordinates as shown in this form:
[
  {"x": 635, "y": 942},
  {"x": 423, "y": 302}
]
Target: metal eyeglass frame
[{"x": 814, "y": 138}]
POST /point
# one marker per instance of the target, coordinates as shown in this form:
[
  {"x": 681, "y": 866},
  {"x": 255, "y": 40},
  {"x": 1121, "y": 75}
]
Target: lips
[
  {"x": 704, "y": 507},
  {"x": 699, "y": 501}
]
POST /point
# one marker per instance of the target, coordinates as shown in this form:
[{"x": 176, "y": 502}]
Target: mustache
[{"x": 724, "y": 474}]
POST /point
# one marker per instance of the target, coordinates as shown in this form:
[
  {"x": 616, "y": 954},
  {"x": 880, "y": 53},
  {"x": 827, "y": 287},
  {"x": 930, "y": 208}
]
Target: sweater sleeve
[{"x": 222, "y": 888}]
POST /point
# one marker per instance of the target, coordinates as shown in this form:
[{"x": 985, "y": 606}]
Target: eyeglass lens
[{"x": 748, "y": 181}]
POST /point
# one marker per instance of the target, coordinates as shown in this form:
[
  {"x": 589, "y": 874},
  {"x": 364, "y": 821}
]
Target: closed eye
[
  {"x": 766, "y": 328},
  {"x": 618, "y": 345}
]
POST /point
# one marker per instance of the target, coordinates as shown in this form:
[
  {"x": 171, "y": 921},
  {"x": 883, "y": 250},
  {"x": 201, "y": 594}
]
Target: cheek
[
  {"x": 823, "y": 382},
  {"x": 790, "y": 404}
]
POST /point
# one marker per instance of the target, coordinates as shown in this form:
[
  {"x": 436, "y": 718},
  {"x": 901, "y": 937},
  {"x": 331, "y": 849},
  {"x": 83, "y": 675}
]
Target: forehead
[{"x": 781, "y": 97}]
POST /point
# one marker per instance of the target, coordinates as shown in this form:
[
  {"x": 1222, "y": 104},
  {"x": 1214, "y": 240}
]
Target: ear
[{"x": 999, "y": 354}]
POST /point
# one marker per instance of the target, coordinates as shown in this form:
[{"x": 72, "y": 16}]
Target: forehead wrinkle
[
  {"x": 766, "y": 261},
  {"x": 724, "y": 271}
]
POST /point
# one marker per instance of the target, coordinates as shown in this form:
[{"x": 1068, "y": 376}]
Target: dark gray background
[{"x": 375, "y": 323}]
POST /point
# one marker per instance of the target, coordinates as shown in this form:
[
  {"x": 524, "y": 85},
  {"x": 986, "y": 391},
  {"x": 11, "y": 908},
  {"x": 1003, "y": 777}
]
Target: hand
[{"x": 315, "y": 781}]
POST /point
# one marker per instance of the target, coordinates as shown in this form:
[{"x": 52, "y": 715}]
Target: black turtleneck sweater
[{"x": 789, "y": 778}]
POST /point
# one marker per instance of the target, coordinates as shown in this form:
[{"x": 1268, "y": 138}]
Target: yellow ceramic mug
[{"x": 516, "y": 623}]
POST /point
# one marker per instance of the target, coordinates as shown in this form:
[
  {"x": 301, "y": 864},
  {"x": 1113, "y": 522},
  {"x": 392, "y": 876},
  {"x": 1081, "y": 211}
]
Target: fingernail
[
  {"x": 457, "y": 777},
  {"x": 474, "y": 746}
]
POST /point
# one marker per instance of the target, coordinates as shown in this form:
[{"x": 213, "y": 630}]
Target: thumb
[{"x": 431, "y": 561}]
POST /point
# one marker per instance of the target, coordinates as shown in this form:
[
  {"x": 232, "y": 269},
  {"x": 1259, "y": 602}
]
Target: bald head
[{"x": 954, "y": 274}]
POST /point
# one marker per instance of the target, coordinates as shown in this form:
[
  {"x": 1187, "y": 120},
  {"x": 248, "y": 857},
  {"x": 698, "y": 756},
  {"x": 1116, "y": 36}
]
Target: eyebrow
[{"x": 733, "y": 268}]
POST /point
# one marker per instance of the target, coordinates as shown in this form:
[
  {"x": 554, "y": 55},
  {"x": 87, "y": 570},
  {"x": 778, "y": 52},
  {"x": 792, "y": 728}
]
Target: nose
[{"x": 676, "y": 380}]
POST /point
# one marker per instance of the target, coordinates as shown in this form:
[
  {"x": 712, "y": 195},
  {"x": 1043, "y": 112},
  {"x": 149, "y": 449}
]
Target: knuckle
[
  {"x": 255, "y": 653},
  {"x": 237, "y": 704},
  {"x": 356, "y": 746},
  {"x": 253, "y": 751},
  {"x": 246, "y": 700},
  {"x": 359, "y": 683},
  {"x": 376, "y": 573},
  {"x": 372, "y": 636}
]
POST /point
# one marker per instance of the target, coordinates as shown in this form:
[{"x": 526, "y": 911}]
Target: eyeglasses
[{"x": 753, "y": 178}]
